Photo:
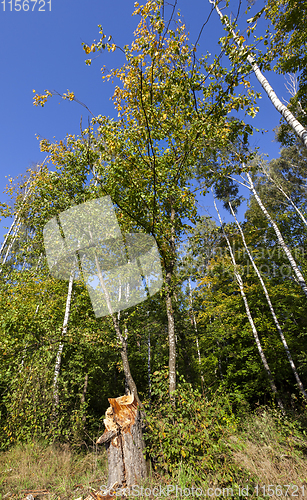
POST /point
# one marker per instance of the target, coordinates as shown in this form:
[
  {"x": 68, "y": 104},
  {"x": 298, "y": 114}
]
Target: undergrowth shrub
[{"x": 192, "y": 434}]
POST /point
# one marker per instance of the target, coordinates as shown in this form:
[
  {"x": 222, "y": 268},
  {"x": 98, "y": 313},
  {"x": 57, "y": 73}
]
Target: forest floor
[{"x": 274, "y": 452}]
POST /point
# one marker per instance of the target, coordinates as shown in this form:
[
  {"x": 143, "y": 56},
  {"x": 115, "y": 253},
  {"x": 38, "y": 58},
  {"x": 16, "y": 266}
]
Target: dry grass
[
  {"x": 273, "y": 452},
  {"x": 266, "y": 448},
  {"x": 53, "y": 469}
]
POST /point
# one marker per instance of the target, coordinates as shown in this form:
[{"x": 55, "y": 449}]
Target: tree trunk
[
  {"x": 171, "y": 343},
  {"x": 149, "y": 365},
  {"x": 124, "y": 443},
  {"x": 250, "y": 319},
  {"x": 170, "y": 312},
  {"x": 83, "y": 395},
  {"x": 266, "y": 293},
  {"x": 14, "y": 236},
  {"x": 60, "y": 349},
  {"x": 286, "y": 196},
  {"x": 16, "y": 220},
  {"x": 281, "y": 241},
  {"x": 125, "y": 360},
  {"x": 296, "y": 126},
  {"x": 82, "y": 400},
  {"x": 120, "y": 336},
  {"x": 123, "y": 435}
]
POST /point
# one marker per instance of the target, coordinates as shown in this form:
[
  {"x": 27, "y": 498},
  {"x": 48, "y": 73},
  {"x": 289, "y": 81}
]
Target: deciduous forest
[{"x": 214, "y": 359}]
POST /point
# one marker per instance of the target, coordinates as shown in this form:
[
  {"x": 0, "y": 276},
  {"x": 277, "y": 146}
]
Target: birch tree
[
  {"x": 250, "y": 319},
  {"x": 278, "y": 327},
  {"x": 249, "y": 184},
  {"x": 23, "y": 194},
  {"x": 145, "y": 160},
  {"x": 121, "y": 337},
  {"x": 60, "y": 349},
  {"x": 287, "y": 48},
  {"x": 287, "y": 175},
  {"x": 281, "y": 241},
  {"x": 244, "y": 53}
]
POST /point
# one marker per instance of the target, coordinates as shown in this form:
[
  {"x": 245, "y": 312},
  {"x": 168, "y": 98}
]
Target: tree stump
[{"x": 124, "y": 443}]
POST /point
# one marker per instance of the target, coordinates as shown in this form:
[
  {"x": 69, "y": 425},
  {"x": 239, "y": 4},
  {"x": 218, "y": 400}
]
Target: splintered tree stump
[{"x": 124, "y": 442}]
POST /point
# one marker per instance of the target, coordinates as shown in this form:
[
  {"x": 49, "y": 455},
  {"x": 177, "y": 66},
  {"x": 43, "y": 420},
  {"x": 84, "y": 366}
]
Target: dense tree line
[{"x": 231, "y": 313}]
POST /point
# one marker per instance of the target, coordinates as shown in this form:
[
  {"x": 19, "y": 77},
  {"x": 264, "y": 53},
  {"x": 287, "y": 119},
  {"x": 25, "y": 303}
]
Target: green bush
[{"x": 192, "y": 433}]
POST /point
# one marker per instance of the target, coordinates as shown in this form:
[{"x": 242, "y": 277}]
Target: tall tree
[
  {"x": 279, "y": 329},
  {"x": 250, "y": 319},
  {"x": 288, "y": 52},
  {"x": 238, "y": 52},
  {"x": 167, "y": 122}
]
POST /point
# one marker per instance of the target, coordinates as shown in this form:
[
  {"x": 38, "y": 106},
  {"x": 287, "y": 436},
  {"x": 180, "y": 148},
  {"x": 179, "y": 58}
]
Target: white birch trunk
[
  {"x": 170, "y": 313},
  {"x": 126, "y": 461},
  {"x": 14, "y": 236},
  {"x": 286, "y": 196},
  {"x": 60, "y": 349},
  {"x": 16, "y": 218},
  {"x": 281, "y": 241},
  {"x": 121, "y": 338},
  {"x": 284, "y": 342},
  {"x": 82, "y": 400},
  {"x": 15, "y": 221},
  {"x": 149, "y": 364},
  {"x": 171, "y": 343},
  {"x": 250, "y": 319},
  {"x": 296, "y": 126}
]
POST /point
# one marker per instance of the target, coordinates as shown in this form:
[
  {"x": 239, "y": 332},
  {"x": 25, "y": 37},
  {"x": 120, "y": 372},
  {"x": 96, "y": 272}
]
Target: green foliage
[
  {"x": 175, "y": 124},
  {"x": 229, "y": 354},
  {"x": 193, "y": 434},
  {"x": 288, "y": 50},
  {"x": 32, "y": 333}
]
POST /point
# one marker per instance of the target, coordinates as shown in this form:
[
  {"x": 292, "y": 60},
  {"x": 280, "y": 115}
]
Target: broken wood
[{"x": 124, "y": 442}]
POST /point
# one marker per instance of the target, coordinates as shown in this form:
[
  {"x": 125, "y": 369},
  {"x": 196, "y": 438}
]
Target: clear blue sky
[{"x": 42, "y": 50}]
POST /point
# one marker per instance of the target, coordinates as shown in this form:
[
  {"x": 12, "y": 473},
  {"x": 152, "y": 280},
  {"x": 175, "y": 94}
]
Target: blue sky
[{"x": 42, "y": 50}]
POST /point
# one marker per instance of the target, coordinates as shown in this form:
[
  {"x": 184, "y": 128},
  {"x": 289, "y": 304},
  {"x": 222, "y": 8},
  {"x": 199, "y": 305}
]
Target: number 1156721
[{"x": 25, "y": 5}]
